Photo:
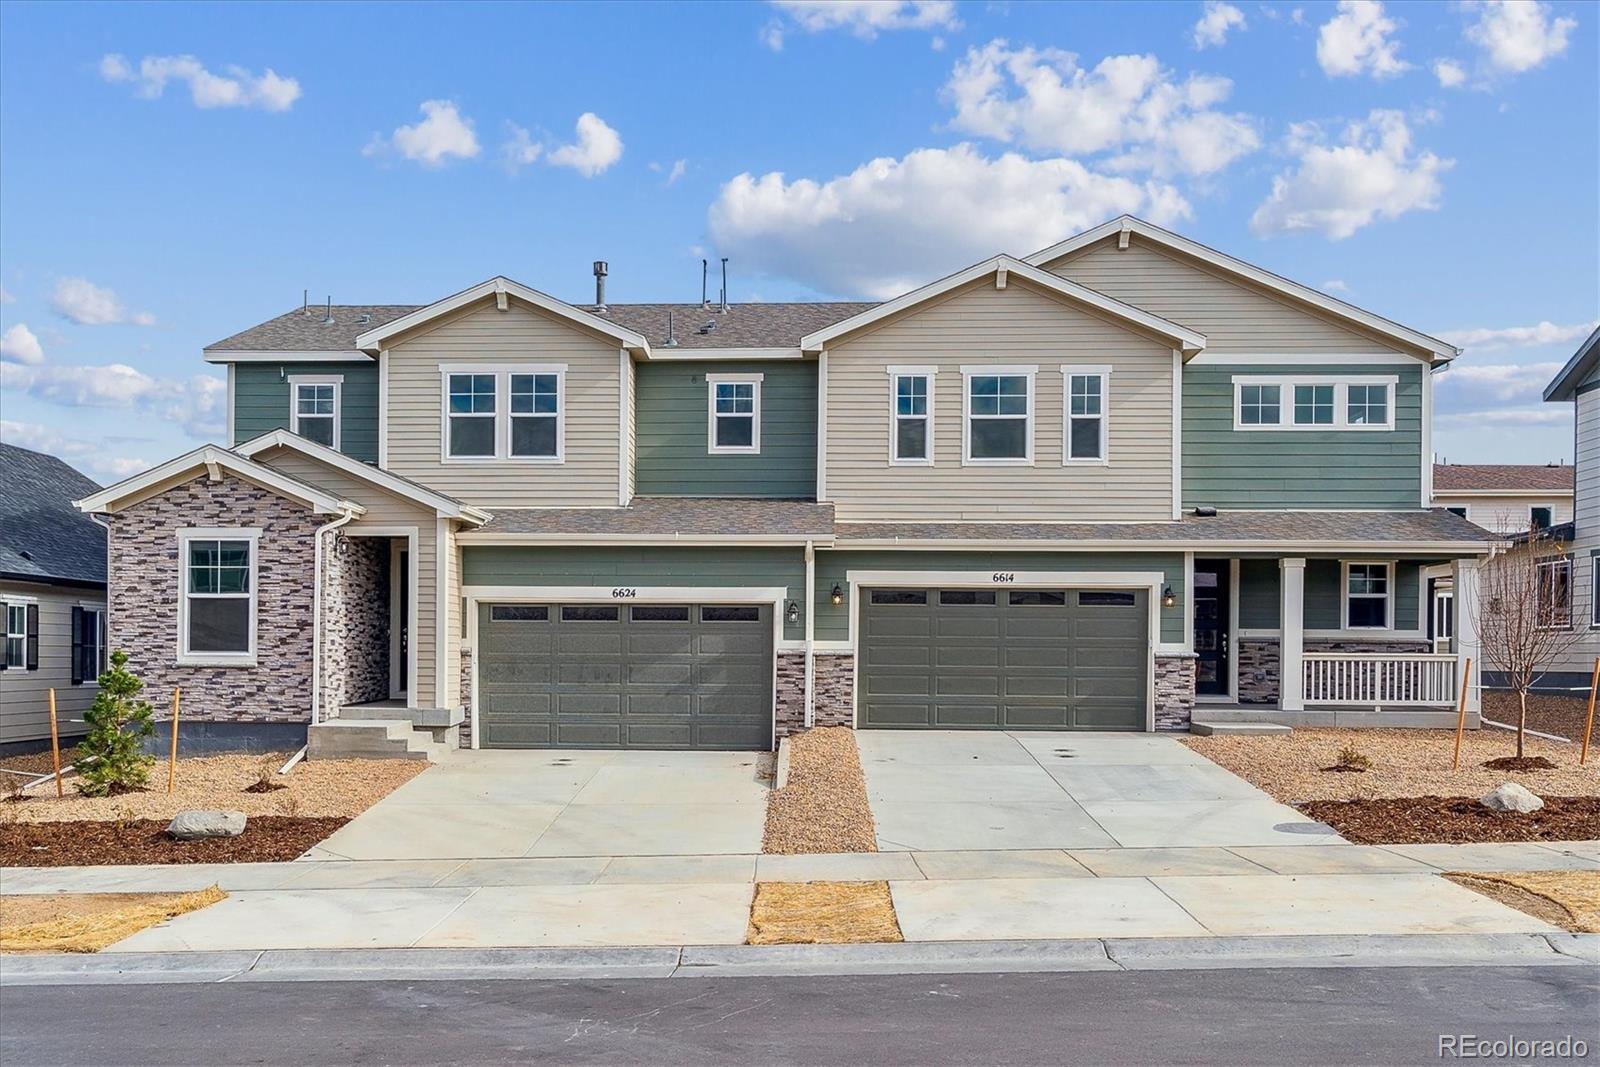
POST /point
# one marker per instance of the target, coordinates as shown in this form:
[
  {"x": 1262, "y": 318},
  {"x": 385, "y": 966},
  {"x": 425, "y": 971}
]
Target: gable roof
[
  {"x": 1439, "y": 350},
  {"x": 42, "y": 537},
  {"x": 1502, "y": 477},
  {"x": 1001, "y": 267},
  {"x": 500, "y": 288},
  {"x": 1564, "y": 386},
  {"x": 207, "y": 457}
]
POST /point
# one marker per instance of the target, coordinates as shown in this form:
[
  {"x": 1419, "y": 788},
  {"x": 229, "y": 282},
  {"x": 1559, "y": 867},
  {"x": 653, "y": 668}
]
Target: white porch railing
[{"x": 1380, "y": 679}]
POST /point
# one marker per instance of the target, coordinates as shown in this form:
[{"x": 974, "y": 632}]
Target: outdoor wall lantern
[
  {"x": 837, "y": 596},
  {"x": 792, "y": 614},
  {"x": 1169, "y": 599}
]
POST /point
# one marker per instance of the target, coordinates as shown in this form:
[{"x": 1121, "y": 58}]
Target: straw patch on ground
[
  {"x": 1569, "y": 899},
  {"x": 822, "y": 913},
  {"x": 823, "y": 808},
  {"x": 88, "y": 922}
]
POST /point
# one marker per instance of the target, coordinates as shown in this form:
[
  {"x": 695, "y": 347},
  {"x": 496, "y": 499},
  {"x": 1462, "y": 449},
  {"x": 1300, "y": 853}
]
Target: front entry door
[{"x": 1211, "y": 627}]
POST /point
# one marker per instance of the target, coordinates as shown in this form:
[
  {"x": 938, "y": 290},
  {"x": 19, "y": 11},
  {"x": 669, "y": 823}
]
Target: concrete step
[
  {"x": 430, "y": 718},
  {"x": 1237, "y": 729},
  {"x": 368, "y": 739}
]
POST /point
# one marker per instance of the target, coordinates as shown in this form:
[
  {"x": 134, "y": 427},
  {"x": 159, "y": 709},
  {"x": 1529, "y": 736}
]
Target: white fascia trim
[
  {"x": 624, "y": 380},
  {"x": 703, "y": 354},
  {"x": 1490, "y": 494},
  {"x": 383, "y": 408},
  {"x": 629, "y": 594},
  {"x": 208, "y": 456},
  {"x": 822, "y": 426},
  {"x": 1213, "y": 358},
  {"x": 1256, "y": 548},
  {"x": 1427, "y": 436},
  {"x": 499, "y": 286},
  {"x": 441, "y": 610},
  {"x": 1266, "y": 279},
  {"x": 1187, "y": 339},
  {"x": 1177, "y": 434},
  {"x": 377, "y": 476},
  {"x": 472, "y": 537},
  {"x": 346, "y": 356}
]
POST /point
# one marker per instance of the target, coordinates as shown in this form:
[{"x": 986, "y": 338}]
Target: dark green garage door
[
  {"x": 1019, "y": 659},
  {"x": 667, "y": 676}
]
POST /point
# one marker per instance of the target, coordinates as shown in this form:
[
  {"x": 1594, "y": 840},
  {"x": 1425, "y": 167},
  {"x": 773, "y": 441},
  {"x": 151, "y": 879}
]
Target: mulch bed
[
  {"x": 1548, "y": 713},
  {"x": 266, "y": 839},
  {"x": 1456, "y": 820}
]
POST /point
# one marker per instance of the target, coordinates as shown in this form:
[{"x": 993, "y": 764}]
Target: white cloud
[
  {"x": 1542, "y": 415},
  {"x": 1500, "y": 381},
  {"x": 1043, "y": 100},
  {"x": 92, "y": 457},
  {"x": 520, "y": 149},
  {"x": 1518, "y": 35},
  {"x": 862, "y": 18},
  {"x": 1356, "y": 41},
  {"x": 1336, "y": 189},
  {"x": 598, "y": 146},
  {"x": 198, "y": 404},
  {"x": 443, "y": 134},
  {"x": 88, "y": 304},
  {"x": 1451, "y": 74},
  {"x": 6, "y": 296},
  {"x": 893, "y": 224},
  {"x": 19, "y": 345},
  {"x": 679, "y": 167},
  {"x": 268, "y": 91},
  {"x": 1544, "y": 333},
  {"x": 1335, "y": 285},
  {"x": 1218, "y": 18}
]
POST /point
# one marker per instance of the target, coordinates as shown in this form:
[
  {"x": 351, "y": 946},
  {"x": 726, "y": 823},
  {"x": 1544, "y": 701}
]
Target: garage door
[
  {"x": 666, "y": 676},
  {"x": 1022, "y": 659}
]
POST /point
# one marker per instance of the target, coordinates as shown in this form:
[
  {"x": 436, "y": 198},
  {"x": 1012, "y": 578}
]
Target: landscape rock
[
  {"x": 1511, "y": 797},
  {"x": 194, "y": 825}
]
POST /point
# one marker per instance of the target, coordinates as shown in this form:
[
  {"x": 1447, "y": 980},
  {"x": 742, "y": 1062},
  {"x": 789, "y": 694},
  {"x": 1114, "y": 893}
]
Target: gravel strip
[{"x": 824, "y": 807}]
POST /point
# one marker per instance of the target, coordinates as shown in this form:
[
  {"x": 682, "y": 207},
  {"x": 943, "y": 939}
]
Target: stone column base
[{"x": 1174, "y": 691}]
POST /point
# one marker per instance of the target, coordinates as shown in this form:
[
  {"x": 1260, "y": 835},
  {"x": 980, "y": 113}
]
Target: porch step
[
  {"x": 370, "y": 739},
  {"x": 421, "y": 718},
  {"x": 1237, "y": 729}
]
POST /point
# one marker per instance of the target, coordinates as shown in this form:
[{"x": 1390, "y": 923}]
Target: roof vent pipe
[
  {"x": 600, "y": 272},
  {"x": 329, "y": 320},
  {"x": 724, "y": 284},
  {"x": 305, "y": 301},
  {"x": 672, "y": 335},
  {"x": 704, "y": 302}
]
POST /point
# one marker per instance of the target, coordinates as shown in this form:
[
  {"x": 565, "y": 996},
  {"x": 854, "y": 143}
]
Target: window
[
  {"x": 966, "y": 597},
  {"x": 1110, "y": 600},
  {"x": 730, "y": 613},
  {"x": 661, "y": 613},
  {"x": 217, "y": 614},
  {"x": 911, "y": 425},
  {"x": 519, "y": 613},
  {"x": 88, "y": 644},
  {"x": 999, "y": 422},
  {"x": 899, "y": 596},
  {"x": 1458, "y": 511},
  {"x": 1085, "y": 437},
  {"x": 1313, "y": 402},
  {"x": 536, "y": 415},
  {"x": 1367, "y": 603},
  {"x": 1540, "y": 518},
  {"x": 735, "y": 409},
  {"x": 1553, "y": 608},
  {"x": 314, "y": 407},
  {"x": 471, "y": 416},
  {"x": 1594, "y": 591},
  {"x": 16, "y": 636},
  {"x": 1038, "y": 598},
  {"x": 587, "y": 613}
]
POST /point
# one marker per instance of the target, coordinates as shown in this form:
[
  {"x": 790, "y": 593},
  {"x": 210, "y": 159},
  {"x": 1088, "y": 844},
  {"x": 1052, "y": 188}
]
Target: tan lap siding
[
  {"x": 24, "y": 694},
  {"x": 1015, "y": 325},
  {"x": 485, "y": 335}
]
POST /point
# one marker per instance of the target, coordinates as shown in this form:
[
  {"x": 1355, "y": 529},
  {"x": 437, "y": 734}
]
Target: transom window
[
  {"x": 999, "y": 420},
  {"x": 911, "y": 420},
  {"x": 16, "y": 635},
  {"x": 735, "y": 409},
  {"x": 505, "y": 413},
  {"x": 217, "y": 620},
  {"x": 314, "y": 408},
  {"x": 1313, "y": 402},
  {"x": 1367, "y": 596},
  {"x": 535, "y": 414},
  {"x": 1553, "y": 607},
  {"x": 1085, "y": 437},
  {"x": 1259, "y": 405}
]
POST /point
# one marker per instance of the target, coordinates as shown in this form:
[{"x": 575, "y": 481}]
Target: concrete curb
[
  {"x": 727, "y": 961},
  {"x": 780, "y": 774}
]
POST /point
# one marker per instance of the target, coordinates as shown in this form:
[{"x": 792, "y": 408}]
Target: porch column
[
  {"x": 1291, "y": 635},
  {"x": 1465, "y": 573}
]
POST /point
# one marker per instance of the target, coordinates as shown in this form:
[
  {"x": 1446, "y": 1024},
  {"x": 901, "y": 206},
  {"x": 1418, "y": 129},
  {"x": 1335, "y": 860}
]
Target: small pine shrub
[
  {"x": 1352, "y": 758},
  {"x": 111, "y": 757}
]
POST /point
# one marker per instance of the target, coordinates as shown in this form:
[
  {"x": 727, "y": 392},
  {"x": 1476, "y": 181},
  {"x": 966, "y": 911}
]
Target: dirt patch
[
  {"x": 823, "y": 808},
  {"x": 88, "y": 922},
  {"x": 313, "y": 788},
  {"x": 266, "y": 839},
  {"x": 822, "y": 913},
  {"x": 1520, "y": 763},
  {"x": 1568, "y": 899},
  {"x": 1456, "y": 820},
  {"x": 1405, "y": 763},
  {"x": 1563, "y": 716}
]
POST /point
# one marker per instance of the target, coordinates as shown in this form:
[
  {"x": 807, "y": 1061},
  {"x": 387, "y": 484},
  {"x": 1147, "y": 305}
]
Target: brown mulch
[
  {"x": 1456, "y": 820},
  {"x": 1563, "y": 716},
  {"x": 822, "y": 913},
  {"x": 823, "y": 808},
  {"x": 1520, "y": 763},
  {"x": 35, "y": 763},
  {"x": 1568, "y": 899},
  {"x": 266, "y": 839}
]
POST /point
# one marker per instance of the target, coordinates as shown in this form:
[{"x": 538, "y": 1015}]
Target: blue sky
[{"x": 172, "y": 174}]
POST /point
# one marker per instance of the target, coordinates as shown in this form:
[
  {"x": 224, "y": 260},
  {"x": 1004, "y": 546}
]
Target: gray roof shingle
[
  {"x": 42, "y": 536},
  {"x": 1510, "y": 477},
  {"x": 666, "y": 517}
]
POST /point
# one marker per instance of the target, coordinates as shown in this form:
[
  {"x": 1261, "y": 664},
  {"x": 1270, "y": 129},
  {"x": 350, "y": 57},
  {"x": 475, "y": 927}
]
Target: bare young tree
[{"x": 1524, "y": 614}]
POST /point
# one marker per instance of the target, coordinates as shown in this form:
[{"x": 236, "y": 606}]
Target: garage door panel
[
  {"x": 897, "y": 655},
  {"x": 1110, "y": 627},
  {"x": 654, "y": 642},
  {"x": 899, "y": 685},
  {"x": 974, "y": 655},
  {"x": 664, "y": 704},
  {"x": 899, "y": 622},
  {"x": 1030, "y": 623},
  {"x": 1038, "y": 716},
  {"x": 950, "y": 624},
  {"x": 524, "y": 639},
  {"x": 958, "y": 685},
  {"x": 597, "y": 702},
  {"x": 1104, "y": 717},
  {"x": 588, "y": 672},
  {"x": 660, "y": 671},
  {"x": 584, "y": 734},
  {"x": 724, "y": 643},
  {"x": 1037, "y": 685},
  {"x": 947, "y": 716},
  {"x": 1037, "y": 655},
  {"x": 579, "y": 639},
  {"x": 1117, "y": 686}
]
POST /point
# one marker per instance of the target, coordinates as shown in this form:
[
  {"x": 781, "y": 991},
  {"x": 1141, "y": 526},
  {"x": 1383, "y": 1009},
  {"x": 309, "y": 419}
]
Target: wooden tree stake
[
  {"x": 55, "y": 741},
  {"x": 1461, "y": 713},
  {"x": 172, "y": 761},
  {"x": 1588, "y": 724}
]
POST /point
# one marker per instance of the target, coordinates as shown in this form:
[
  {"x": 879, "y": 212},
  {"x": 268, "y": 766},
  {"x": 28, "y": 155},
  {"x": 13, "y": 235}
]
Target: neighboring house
[
  {"x": 1082, "y": 490},
  {"x": 1505, "y": 498},
  {"x": 52, "y": 598}
]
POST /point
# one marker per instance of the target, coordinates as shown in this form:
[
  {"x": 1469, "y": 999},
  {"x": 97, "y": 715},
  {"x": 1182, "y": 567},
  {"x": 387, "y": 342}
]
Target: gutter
[{"x": 316, "y": 613}]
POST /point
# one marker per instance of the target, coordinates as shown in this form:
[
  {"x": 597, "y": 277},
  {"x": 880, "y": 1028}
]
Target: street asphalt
[{"x": 1264, "y": 1016}]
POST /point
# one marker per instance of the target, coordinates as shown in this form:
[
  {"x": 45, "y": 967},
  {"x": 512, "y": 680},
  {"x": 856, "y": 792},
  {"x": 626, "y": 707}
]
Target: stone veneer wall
[
  {"x": 145, "y": 577},
  {"x": 355, "y": 621},
  {"x": 835, "y": 681},
  {"x": 1260, "y": 664},
  {"x": 791, "y": 708},
  {"x": 466, "y": 698},
  {"x": 1174, "y": 691}
]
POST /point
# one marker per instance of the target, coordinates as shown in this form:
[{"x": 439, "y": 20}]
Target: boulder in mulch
[
  {"x": 194, "y": 825},
  {"x": 1511, "y": 797}
]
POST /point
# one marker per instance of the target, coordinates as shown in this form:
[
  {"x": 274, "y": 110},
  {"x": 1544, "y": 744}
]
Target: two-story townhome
[{"x": 1089, "y": 489}]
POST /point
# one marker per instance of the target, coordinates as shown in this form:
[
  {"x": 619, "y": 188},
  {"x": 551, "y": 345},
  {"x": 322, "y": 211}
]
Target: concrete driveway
[
  {"x": 505, "y": 804},
  {"x": 934, "y": 791}
]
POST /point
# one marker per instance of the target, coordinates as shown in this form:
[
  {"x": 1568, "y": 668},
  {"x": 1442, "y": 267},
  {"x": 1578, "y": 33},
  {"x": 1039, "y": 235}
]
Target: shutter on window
[
  {"x": 77, "y": 645},
  {"x": 5, "y": 619},
  {"x": 33, "y": 637}
]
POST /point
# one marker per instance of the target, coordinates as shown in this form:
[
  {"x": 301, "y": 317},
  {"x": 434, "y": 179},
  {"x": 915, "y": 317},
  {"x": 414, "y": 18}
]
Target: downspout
[
  {"x": 811, "y": 631},
  {"x": 316, "y": 615}
]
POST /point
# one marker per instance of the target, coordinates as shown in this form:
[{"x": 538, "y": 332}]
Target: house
[
  {"x": 1096, "y": 488},
  {"x": 1505, "y": 498},
  {"x": 52, "y": 598}
]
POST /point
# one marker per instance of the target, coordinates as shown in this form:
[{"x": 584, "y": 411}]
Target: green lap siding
[
  {"x": 671, "y": 409},
  {"x": 261, "y": 402},
  {"x": 1259, "y": 596},
  {"x": 1335, "y": 469}
]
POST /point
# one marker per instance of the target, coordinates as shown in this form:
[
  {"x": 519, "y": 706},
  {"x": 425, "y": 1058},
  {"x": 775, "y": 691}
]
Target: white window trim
[
  {"x": 5, "y": 624},
  {"x": 1103, "y": 372},
  {"x": 1594, "y": 591},
  {"x": 1341, "y": 396},
  {"x": 102, "y": 636},
  {"x": 502, "y": 412},
  {"x": 1390, "y": 593},
  {"x": 214, "y": 533},
  {"x": 970, "y": 371},
  {"x": 335, "y": 380},
  {"x": 1560, "y": 561},
  {"x": 895, "y": 374},
  {"x": 752, "y": 380}
]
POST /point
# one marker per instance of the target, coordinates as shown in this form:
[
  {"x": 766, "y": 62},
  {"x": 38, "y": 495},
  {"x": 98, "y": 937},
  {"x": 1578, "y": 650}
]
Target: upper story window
[
  {"x": 998, "y": 423},
  {"x": 1540, "y": 518},
  {"x": 504, "y": 413},
  {"x": 536, "y": 415},
  {"x": 1313, "y": 402},
  {"x": 911, "y": 420},
  {"x": 1553, "y": 603},
  {"x": 1462, "y": 511},
  {"x": 735, "y": 413},
  {"x": 217, "y": 611},
  {"x": 314, "y": 407},
  {"x": 1087, "y": 393},
  {"x": 1368, "y": 599}
]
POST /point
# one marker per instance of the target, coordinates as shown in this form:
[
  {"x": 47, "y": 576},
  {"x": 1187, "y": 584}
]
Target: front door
[{"x": 1211, "y": 627}]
